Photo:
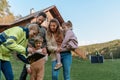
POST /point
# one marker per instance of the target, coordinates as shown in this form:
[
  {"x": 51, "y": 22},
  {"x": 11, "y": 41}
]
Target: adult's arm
[{"x": 12, "y": 45}]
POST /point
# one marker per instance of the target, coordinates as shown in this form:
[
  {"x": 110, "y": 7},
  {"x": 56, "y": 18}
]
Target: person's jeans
[
  {"x": 23, "y": 75},
  {"x": 66, "y": 59},
  {"x": 6, "y": 68},
  {"x": 0, "y": 69}
]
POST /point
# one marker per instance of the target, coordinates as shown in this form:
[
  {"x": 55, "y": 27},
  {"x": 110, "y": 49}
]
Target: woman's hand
[
  {"x": 59, "y": 49},
  {"x": 44, "y": 50}
]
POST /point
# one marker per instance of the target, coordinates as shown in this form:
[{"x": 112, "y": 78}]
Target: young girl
[
  {"x": 54, "y": 37},
  {"x": 36, "y": 69},
  {"x": 70, "y": 41}
]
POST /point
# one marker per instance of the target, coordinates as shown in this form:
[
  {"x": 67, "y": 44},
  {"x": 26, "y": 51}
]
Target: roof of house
[{"x": 53, "y": 10}]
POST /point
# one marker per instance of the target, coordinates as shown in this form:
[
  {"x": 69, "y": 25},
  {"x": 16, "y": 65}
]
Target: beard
[{"x": 38, "y": 23}]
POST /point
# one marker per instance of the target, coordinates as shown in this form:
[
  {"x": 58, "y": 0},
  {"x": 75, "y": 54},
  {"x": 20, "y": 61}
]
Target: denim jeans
[
  {"x": 23, "y": 75},
  {"x": 0, "y": 69},
  {"x": 66, "y": 59},
  {"x": 6, "y": 68}
]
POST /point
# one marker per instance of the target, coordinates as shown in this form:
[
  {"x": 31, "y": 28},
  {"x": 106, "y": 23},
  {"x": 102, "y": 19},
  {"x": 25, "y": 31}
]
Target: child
[
  {"x": 70, "y": 41},
  {"x": 59, "y": 64},
  {"x": 36, "y": 69},
  {"x": 59, "y": 40}
]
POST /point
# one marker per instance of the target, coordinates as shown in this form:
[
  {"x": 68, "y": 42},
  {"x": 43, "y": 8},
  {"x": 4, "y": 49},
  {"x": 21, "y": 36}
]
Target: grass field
[{"x": 81, "y": 70}]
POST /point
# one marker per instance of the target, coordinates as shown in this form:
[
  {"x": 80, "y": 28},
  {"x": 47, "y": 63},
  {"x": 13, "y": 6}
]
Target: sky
[{"x": 94, "y": 21}]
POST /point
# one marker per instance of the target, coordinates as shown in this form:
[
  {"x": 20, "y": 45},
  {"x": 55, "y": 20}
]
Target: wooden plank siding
[{"x": 51, "y": 12}]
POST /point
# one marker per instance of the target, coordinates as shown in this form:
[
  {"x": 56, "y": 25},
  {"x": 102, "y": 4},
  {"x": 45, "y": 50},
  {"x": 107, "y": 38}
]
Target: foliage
[
  {"x": 80, "y": 70},
  {"x": 4, "y": 7},
  {"x": 5, "y": 15},
  {"x": 104, "y": 48}
]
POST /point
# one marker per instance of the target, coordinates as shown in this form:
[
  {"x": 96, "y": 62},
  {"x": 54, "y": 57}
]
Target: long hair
[
  {"x": 49, "y": 32},
  {"x": 59, "y": 33}
]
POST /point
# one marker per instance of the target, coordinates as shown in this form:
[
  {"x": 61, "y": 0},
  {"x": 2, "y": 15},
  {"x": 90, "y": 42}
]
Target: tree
[
  {"x": 4, "y": 7},
  {"x": 5, "y": 15}
]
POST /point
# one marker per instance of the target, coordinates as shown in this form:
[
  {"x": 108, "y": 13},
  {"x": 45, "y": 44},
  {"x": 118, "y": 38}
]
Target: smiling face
[
  {"x": 40, "y": 20},
  {"x": 53, "y": 26},
  {"x": 33, "y": 30},
  {"x": 38, "y": 44},
  {"x": 33, "y": 33},
  {"x": 64, "y": 27}
]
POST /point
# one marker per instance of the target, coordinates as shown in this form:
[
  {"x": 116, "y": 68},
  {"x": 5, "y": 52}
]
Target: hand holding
[
  {"x": 31, "y": 49},
  {"x": 29, "y": 70}
]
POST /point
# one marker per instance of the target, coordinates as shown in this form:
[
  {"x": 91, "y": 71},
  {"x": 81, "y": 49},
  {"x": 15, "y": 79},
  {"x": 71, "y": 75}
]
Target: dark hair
[
  {"x": 69, "y": 23},
  {"x": 42, "y": 14}
]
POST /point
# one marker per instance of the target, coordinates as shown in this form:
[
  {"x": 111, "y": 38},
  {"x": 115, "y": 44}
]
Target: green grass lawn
[{"x": 80, "y": 70}]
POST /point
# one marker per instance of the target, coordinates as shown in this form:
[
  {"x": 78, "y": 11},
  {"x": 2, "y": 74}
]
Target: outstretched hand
[
  {"x": 80, "y": 53},
  {"x": 31, "y": 49}
]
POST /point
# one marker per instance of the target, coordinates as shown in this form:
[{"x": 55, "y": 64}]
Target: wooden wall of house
[
  {"x": 4, "y": 27},
  {"x": 51, "y": 13},
  {"x": 22, "y": 23}
]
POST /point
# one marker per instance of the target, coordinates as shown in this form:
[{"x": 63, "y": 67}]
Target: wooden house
[{"x": 52, "y": 12}]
